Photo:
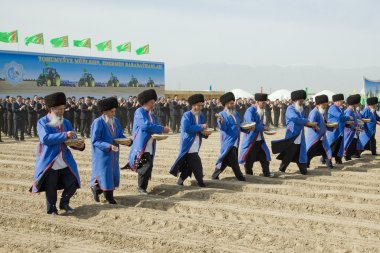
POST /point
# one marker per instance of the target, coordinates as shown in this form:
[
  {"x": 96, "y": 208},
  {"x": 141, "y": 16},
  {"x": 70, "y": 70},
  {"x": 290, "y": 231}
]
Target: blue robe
[
  {"x": 51, "y": 143},
  {"x": 143, "y": 128},
  {"x": 369, "y": 129},
  {"x": 249, "y": 139},
  {"x": 229, "y": 134},
  {"x": 335, "y": 114},
  {"x": 105, "y": 162},
  {"x": 295, "y": 123},
  {"x": 349, "y": 131},
  {"x": 189, "y": 130},
  {"x": 313, "y": 136}
]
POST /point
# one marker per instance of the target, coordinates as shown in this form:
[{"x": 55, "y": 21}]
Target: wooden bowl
[
  {"x": 207, "y": 131},
  {"x": 270, "y": 132},
  {"x": 366, "y": 120},
  {"x": 332, "y": 124},
  {"x": 311, "y": 124},
  {"x": 247, "y": 125},
  {"x": 122, "y": 141},
  {"x": 159, "y": 137},
  {"x": 73, "y": 142}
]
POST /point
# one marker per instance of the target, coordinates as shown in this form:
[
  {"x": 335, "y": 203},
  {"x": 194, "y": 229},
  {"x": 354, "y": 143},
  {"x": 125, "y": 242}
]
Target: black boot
[
  {"x": 109, "y": 197},
  {"x": 338, "y": 160},
  {"x": 95, "y": 193},
  {"x": 329, "y": 164},
  {"x": 248, "y": 171}
]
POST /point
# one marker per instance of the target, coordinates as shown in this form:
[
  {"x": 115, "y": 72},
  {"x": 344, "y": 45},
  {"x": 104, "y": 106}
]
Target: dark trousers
[
  {"x": 130, "y": 124},
  {"x": 5, "y": 125},
  {"x": 144, "y": 170},
  {"x": 292, "y": 155},
  {"x": 318, "y": 150},
  {"x": 268, "y": 119},
  {"x": 175, "y": 120},
  {"x": 193, "y": 165},
  {"x": 371, "y": 145},
  {"x": 53, "y": 180},
  {"x": 256, "y": 153},
  {"x": 85, "y": 125},
  {"x": 335, "y": 146},
  {"x": 231, "y": 160},
  {"x": 77, "y": 124},
  {"x": 19, "y": 125},
  {"x": 276, "y": 119},
  {"x": 352, "y": 150},
  {"x": 32, "y": 123},
  {"x": 10, "y": 127},
  {"x": 162, "y": 120}
]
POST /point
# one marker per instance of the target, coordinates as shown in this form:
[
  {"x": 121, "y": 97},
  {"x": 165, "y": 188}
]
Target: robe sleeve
[
  {"x": 96, "y": 131},
  {"x": 342, "y": 117},
  {"x": 225, "y": 124},
  {"x": 347, "y": 115},
  {"x": 47, "y": 138},
  {"x": 190, "y": 129},
  {"x": 296, "y": 119},
  {"x": 146, "y": 125},
  {"x": 377, "y": 117}
]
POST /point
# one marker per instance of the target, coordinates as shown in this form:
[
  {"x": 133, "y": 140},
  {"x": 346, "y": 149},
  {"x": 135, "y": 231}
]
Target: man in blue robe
[
  {"x": 229, "y": 125},
  {"x": 335, "y": 137},
  {"x": 316, "y": 141},
  {"x": 367, "y": 139},
  {"x": 192, "y": 125},
  {"x": 253, "y": 147},
  {"x": 143, "y": 149},
  {"x": 105, "y": 129},
  {"x": 293, "y": 147},
  {"x": 351, "y": 130},
  {"x": 55, "y": 167}
]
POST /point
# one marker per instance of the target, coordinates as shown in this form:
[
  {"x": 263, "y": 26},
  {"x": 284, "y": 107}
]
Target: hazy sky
[{"x": 326, "y": 33}]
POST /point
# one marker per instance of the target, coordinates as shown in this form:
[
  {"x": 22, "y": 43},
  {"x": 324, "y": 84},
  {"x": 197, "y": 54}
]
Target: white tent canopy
[
  {"x": 329, "y": 93},
  {"x": 239, "y": 93},
  {"x": 279, "y": 94}
]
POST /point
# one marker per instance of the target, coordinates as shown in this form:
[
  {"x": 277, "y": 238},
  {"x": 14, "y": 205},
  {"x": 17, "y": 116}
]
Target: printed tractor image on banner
[{"x": 29, "y": 73}]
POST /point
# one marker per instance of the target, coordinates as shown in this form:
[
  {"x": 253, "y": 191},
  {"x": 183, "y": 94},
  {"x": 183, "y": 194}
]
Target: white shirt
[
  {"x": 59, "y": 163},
  {"x": 149, "y": 146},
  {"x": 298, "y": 139},
  {"x": 195, "y": 146}
]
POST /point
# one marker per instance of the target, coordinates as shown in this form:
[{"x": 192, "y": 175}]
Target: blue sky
[{"x": 329, "y": 34}]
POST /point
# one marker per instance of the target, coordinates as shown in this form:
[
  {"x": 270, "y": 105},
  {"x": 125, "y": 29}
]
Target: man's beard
[
  {"x": 55, "y": 121},
  {"x": 298, "y": 107},
  {"x": 196, "y": 113},
  {"x": 260, "y": 111},
  {"x": 231, "y": 111},
  {"x": 321, "y": 110},
  {"x": 110, "y": 120}
]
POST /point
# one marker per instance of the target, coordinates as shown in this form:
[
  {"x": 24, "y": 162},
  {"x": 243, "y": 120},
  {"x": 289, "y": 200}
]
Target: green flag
[
  {"x": 82, "y": 43},
  {"x": 35, "y": 39},
  {"x": 9, "y": 37},
  {"x": 60, "y": 42},
  {"x": 143, "y": 50},
  {"x": 362, "y": 100},
  {"x": 307, "y": 93},
  {"x": 125, "y": 47},
  {"x": 104, "y": 46}
]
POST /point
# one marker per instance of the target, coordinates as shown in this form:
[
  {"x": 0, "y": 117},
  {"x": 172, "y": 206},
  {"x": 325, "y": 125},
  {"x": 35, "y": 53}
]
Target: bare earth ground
[{"x": 325, "y": 211}]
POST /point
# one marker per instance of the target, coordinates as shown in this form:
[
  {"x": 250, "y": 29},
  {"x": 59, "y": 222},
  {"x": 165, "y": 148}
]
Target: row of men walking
[{"x": 345, "y": 133}]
